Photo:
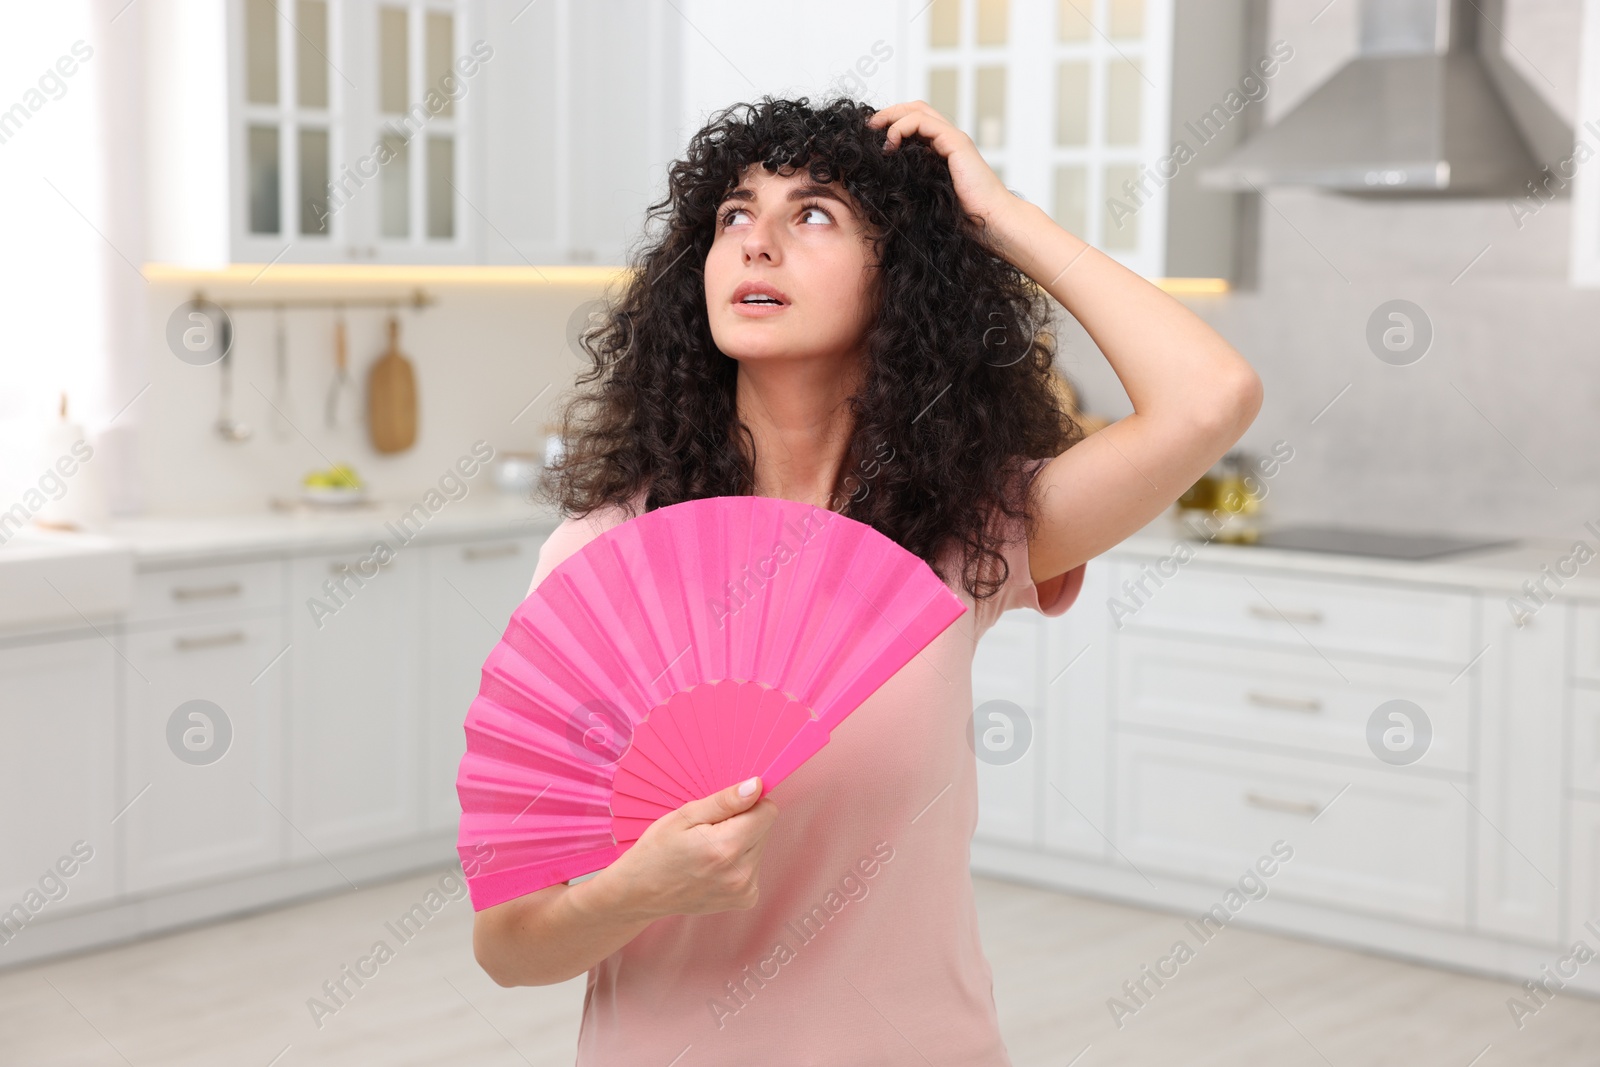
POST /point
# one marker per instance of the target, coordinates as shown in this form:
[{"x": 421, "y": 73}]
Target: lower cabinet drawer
[
  {"x": 191, "y": 592},
  {"x": 1387, "y": 842},
  {"x": 1363, "y": 618},
  {"x": 1296, "y": 698}
]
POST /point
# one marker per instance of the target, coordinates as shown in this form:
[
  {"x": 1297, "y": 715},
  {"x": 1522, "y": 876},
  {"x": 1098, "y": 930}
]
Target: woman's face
[{"x": 807, "y": 242}]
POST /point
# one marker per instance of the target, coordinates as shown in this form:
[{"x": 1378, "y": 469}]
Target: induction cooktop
[{"x": 1362, "y": 542}]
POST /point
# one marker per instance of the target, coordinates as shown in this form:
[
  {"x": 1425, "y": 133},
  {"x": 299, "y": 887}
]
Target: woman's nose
[{"x": 761, "y": 242}]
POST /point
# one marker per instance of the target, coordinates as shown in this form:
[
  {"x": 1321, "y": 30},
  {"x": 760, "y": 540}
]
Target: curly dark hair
[{"x": 957, "y": 392}]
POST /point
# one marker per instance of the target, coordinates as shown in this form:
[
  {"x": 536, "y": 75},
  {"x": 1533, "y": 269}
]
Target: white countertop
[
  {"x": 170, "y": 540},
  {"x": 158, "y": 541},
  {"x": 164, "y": 541},
  {"x": 1499, "y": 570}
]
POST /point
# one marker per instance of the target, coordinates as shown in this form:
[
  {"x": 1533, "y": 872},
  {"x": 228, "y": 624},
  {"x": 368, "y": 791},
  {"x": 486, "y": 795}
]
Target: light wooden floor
[{"x": 236, "y": 993}]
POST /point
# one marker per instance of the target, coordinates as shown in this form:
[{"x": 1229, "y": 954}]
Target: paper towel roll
[{"x": 70, "y": 480}]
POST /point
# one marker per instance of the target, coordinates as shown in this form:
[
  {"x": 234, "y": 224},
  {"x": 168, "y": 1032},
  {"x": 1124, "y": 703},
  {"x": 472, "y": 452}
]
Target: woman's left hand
[{"x": 977, "y": 185}]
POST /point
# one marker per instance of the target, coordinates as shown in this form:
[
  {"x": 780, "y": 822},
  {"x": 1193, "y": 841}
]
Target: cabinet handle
[
  {"x": 1293, "y": 807},
  {"x": 190, "y": 644},
  {"x": 206, "y": 592},
  {"x": 474, "y": 553},
  {"x": 341, "y": 568},
  {"x": 1291, "y": 616},
  {"x": 1268, "y": 700}
]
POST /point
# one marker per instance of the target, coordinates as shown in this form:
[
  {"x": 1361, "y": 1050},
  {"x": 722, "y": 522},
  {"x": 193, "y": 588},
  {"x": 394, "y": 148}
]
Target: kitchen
[{"x": 292, "y": 320}]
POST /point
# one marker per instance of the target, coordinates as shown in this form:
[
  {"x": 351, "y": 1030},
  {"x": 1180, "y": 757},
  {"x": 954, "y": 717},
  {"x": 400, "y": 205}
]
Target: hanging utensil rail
[{"x": 418, "y": 299}]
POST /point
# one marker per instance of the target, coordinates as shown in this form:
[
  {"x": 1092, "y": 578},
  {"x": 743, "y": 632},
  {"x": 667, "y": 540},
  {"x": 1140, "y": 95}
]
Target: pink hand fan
[{"x": 675, "y": 654}]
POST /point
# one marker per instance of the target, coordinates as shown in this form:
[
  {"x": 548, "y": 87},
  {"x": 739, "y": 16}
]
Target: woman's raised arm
[{"x": 1193, "y": 395}]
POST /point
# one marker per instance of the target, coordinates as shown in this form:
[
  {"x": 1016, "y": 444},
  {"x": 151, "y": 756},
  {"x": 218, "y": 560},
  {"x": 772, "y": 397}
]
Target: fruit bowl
[
  {"x": 333, "y": 495},
  {"x": 338, "y": 486}
]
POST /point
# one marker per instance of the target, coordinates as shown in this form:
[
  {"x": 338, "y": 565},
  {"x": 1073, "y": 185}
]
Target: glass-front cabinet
[
  {"x": 1071, "y": 102},
  {"x": 351, "y": 122},
  {"x": 406, "y": 131}
]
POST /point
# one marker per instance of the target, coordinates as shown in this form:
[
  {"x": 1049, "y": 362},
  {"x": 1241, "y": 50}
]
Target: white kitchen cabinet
[
  {"x": 1072, "y": 105},
  {"x": 1383, "y": 620},
  {"x": 1077, "y": 659},
  {"x": 199, "y": 592},
  {"x": 1584, "y": 262},
  {"x": 406, "y": 131},
  {"x": 203, "y": 817},
  {"x": 581, "y": 99},
  {"x": 472, "y": 590},
  {"x": 1383, "y": 841},
  {"x": 1583, "y": 752},
  {"x": 312, "y": 132},
  {"x": 1053, "y": 670},
  {"x": 1583, "y": 876},
  {"x": 1586, "y": 642},
  {"x": 58, "y": 782},
  {"x": 354, "y": 723},
  {"x": 1289, "y": 698},
  {"x": 1008, "y": 724},
  {"x": 1517, "y": 799}
]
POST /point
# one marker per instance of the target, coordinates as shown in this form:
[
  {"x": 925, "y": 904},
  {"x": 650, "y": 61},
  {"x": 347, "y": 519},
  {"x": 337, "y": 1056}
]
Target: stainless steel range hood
[{"x": 1424, "y": 107}]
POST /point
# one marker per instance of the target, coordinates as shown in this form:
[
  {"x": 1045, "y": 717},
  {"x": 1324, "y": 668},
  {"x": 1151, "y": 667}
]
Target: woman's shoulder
[
  {"x": 575, "y": 531},
  {"x": 1051, "y": 597}
]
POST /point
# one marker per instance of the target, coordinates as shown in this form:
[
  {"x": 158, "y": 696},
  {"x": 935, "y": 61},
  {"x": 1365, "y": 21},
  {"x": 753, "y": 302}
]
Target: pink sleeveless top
[{"x": 863, "y": 947}]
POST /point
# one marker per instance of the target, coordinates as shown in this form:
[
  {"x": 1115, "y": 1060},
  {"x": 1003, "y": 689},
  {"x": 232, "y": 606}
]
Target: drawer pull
[
  {"x": 474, "y": 553},
  {"x": 355, "y": 568},
  {"x": 1292, "y": 807},
  {"x": 1261, "y": 612},
  {"x": 190, "y": 644},
  {"x": 206, "y": 592},
  {"x": 1268, "y": 700}
]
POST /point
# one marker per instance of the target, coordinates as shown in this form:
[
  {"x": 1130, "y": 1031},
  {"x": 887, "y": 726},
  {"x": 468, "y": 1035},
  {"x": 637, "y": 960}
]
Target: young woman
[{"x": 845, "y": 309}]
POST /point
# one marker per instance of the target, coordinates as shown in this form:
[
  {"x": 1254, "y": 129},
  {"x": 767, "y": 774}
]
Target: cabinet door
[
  {"x": 57, "y": 715},
  {"x": 1008, "y": 721},
  {"x": 621, "y": 100},
  {"x": 525, "y": 134},
  {"x": 472, "y": 590},
  {"x": 1516, "y": 800},
  {"x": 353, "y": 722},
  {"x": 1583, "y": 885},
  {"x": 1078, "y": 650},
  {"x": 200, "y": 815},
  {"x": 582, "y": 112}
]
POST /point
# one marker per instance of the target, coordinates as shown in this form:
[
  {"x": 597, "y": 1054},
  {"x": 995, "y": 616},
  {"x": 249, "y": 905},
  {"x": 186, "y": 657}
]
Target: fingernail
[{"x": 748, "y": 786}]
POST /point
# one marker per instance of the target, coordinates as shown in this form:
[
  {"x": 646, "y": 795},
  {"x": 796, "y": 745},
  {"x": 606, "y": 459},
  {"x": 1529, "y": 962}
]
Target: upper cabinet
[
  {"x": 403, "y": 131},
  {"x": 351, "y": 129},
  {"x": 580, "y": 125},
  {"x": 1072, "y": 104}
]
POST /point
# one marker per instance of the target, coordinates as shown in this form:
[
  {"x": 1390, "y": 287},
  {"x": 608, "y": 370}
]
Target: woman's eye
[
  {"x": 812, "y": 207},
  {"x": 727, "y": 216}
]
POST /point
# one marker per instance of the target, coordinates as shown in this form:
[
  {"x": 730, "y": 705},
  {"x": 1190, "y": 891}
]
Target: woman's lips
[{"x": 758, "y": 311}]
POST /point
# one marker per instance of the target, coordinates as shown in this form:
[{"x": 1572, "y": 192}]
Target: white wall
[
  {"x": 1494, "y": 431},
  {"x": 481, "y": 355}
]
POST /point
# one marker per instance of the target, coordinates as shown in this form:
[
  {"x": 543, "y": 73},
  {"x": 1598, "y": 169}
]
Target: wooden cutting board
[{"x": 392, "y": 398}]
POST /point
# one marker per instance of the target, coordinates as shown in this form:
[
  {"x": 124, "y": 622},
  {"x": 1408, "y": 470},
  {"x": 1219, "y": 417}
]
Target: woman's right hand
[{"x": 700, "y": 858}]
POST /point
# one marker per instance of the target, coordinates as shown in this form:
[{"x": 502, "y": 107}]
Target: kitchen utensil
[
  {"x": 341, "y": 394},
  {"x": 228, "y": 427},
  {"x": 675, "y": 654},
  {"x": 282, "y": 425},
  {"x": 392, "y": 397}
]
